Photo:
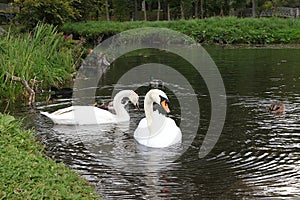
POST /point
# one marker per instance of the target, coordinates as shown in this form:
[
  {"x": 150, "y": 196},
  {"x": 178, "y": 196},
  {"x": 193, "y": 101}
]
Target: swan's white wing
[
  {"x": 67, "y": 118},
  {"x": 104, "y": 116},
  {"x": 175, "y": 135},
  {"x": 142, "y": 131},
  {"x": 164, "y": 132},
  {"x": 92, "y": 115},
  {"x": 63, "y": 110}
]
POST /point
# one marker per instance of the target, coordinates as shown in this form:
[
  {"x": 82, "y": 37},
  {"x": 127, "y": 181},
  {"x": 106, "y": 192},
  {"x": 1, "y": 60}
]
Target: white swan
[
  {"x": 83, "y": 115},
  {"x": 157, "y": 130}
]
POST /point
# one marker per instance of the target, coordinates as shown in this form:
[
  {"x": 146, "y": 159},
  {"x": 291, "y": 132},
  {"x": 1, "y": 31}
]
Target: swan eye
[{"x": 165, "y": 105}]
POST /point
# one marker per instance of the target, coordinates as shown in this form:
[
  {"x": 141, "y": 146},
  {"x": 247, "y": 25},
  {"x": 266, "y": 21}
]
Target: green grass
[
  {"x": 40, "y": 54},
  {"x": 25, "y": 173},
  {"x": 228, "y": 30}
]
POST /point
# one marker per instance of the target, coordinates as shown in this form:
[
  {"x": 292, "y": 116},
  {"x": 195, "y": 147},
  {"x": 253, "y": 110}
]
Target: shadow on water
[{"x": 257, "y": 155}]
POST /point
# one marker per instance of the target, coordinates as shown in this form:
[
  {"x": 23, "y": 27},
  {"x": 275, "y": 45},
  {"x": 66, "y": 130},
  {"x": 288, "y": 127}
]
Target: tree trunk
[
  {"x": 135, "y": 16},
  {"x": 253, "y": 9},
  {"x": 107, "y": 10},
  {"x": 158, "y": 9},
  {"x": 231, "y": 9},
  {"x": 196, "y": 8},
  {"x": 97, "y": 14},
  {"x": 201, "y": 9},
  {"x": 222, "y": 12},
  {"x": 144, "y": 9},
  {"x": 182, "y": 10},
  {"x": 168, "y": 12}
]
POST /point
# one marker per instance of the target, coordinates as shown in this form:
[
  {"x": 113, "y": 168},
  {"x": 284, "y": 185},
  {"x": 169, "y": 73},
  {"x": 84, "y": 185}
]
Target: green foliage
[
  {"x": 121, "y": 9},
  {"x": 229, "y": 30},
  {"x": 59, "y": 11},
  {"x": 26, "y": 174},
  {"x": 54, "y": 12},
  {"x": 39, "y": 55}
]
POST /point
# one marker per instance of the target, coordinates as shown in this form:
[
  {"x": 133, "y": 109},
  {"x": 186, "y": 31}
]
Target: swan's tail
[
  {"x": 49, "y": 115},
  {"x": 46, "y": 114}
]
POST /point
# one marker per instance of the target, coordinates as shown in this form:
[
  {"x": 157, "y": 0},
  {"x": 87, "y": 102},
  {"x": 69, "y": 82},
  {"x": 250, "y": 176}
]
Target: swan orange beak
[{"x": 165, "y": 105}]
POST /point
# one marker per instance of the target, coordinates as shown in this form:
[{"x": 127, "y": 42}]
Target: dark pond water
[{"x": 256, "y": 157}]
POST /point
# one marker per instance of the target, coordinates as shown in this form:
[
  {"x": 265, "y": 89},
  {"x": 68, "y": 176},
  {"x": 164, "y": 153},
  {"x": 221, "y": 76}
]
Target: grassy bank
[
  {"x": 26, "y": 174},
  {"x": 229, "y": 30},
  {"x": 39, "y": 55}
]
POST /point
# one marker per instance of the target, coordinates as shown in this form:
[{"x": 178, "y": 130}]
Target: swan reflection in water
[{"x": 114, "y": 146}]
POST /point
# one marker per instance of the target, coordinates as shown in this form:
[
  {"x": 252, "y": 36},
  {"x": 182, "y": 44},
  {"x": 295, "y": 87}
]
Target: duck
[
  {"x": 156, "y": 130},
  {"x": 105, "y": 105},
  {"x": 61, "y": 93},
  {"x": 277, "y": 107},
  {"x": 87, "y": 115},
  {"x": 156, "y": 84}
]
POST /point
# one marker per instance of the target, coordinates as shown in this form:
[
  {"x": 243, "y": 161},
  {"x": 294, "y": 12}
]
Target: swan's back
[{"x": 81, "y": 115}]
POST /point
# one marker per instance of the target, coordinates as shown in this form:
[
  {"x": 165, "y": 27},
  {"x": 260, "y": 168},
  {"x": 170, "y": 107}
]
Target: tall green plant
[{"x": 36, "y": 55}]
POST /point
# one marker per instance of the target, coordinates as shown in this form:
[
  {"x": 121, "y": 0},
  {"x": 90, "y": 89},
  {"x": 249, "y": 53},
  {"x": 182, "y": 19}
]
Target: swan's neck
[
  {"x": 148, "y": 107},
  {"x": 121, "y": 112}
]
